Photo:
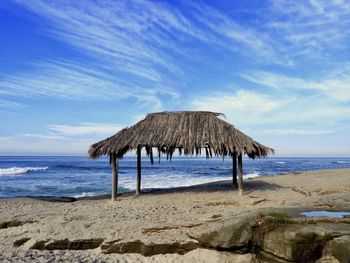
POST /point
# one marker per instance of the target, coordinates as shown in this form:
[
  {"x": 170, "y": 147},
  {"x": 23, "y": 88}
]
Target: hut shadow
[{"x": 249, "y": 186}]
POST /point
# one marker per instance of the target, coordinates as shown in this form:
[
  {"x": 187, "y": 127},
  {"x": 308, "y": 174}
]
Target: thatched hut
[{"x": 189, "y": 132}]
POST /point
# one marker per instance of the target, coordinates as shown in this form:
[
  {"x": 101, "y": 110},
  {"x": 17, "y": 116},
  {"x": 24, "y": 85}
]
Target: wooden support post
[
  {"x": 138, "y": 184},
  {"x": 115, "y": 163},
  {"x": 240, "y": 175},
  {"x": 151, "y": 155},
  {"x": 234, "y": 169}
]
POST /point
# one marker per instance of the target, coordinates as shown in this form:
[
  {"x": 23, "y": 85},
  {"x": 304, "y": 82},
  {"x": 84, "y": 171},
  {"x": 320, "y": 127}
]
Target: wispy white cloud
[
  {"x": 130, "y": 46},
  {"x": 63, "y": 80},
  {"x": 252, "y": 109},
  {"x": 42, "y": 144},
  {"x": 58, "y": 139},
  {"x": 242, "y": 107},
  {"x": 312, "y": 29},
  {"x": 43, "y": 136},
  {"x": 9, "y": 104},
  {"x": 334, "y": 84},
  {"x": 237, "y": 33},
  {"x": 150, "y": 39},
  {"x": 275, "y": 80},
  {"x": 133, "y": 36},
  {"x": 84, "y": 129},
  {"x": 74, "y": 81},
  {"x": 296, "y": 132},
  {"x": 147, "y": 39},
  {"x": 241, "y": 100},
  {"x": 281, "y": 32}
]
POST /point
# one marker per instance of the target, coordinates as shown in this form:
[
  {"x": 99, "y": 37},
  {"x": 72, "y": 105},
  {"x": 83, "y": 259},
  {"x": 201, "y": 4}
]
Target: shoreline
[{"x": 63, "y": 198}]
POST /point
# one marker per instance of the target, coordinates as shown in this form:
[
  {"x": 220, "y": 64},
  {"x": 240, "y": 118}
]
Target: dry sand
[{"x": 165, "y": 216}]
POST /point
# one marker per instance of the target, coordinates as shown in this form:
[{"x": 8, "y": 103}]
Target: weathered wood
[
  {"x": 115, "y": 163},
  {"x": 206, "y": 153},
  {"x": 138, "y": 183},
  {"x": 240, "y": 175},
  {"x": 190, "y": 130},
  {"x": 234, "y": 169},
  {"x": 151, "y": 155}
]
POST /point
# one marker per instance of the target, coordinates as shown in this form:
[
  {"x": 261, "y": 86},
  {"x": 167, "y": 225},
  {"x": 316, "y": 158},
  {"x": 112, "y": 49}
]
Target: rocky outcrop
[
  {"x": 271, "y": 237},
  {"x": 307, "y": 242},
  {"x": 230, "y": 235},
  {"x": 276, "y": 237},
  {"x": 338, "y": 248}
]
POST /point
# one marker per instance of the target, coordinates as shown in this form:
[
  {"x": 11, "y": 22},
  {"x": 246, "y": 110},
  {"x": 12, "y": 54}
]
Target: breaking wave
[
  {"x": 251, "y": 175},
  {"x": 178, "y": 180},
  {"x": 84, "y": 194},
  {"x": 20, "y": 170}
]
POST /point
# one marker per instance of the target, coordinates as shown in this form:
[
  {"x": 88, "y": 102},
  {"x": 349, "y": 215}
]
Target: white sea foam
[
  {"x": 177, "y": 180},
  {"x": 280, "y": 162},
  {"x": 83, "y": 194},
  {"x": 250, "y": 176},
  {"x": 20, "y": 170},
  {"x": 341, "y": 162}
]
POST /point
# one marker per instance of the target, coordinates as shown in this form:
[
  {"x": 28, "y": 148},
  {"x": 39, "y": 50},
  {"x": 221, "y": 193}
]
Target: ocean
[{"x": 78, "y": 176}]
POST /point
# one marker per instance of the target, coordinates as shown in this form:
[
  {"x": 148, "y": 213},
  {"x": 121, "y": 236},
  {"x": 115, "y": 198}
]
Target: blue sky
[{"x": 74, "y": 72}]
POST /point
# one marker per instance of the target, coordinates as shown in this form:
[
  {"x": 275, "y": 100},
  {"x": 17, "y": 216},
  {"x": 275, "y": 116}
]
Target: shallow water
[
  {"x": 79, "y": 176},
  {"x": 330, "y": 214}
]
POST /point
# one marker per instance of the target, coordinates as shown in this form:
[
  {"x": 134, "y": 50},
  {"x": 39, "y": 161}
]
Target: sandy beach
[{"x": 86, "y": 228}]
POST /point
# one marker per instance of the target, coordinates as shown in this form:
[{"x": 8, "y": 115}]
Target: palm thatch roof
[{"x": 188, "y": 131}]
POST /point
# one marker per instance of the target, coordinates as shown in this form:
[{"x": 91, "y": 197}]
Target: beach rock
[
  {"x": 150, "y": 249},
  {"x": 65, "y": 244},
  {"x": 230, "y": 235},
  {"x": 40, "y": 245},
  {"x": 264, "y": 257},
  {"x": 327, "y": 259},
  {"x": 14, "y": 223},
  {"x": 20, "y": 242},
  {"x": 302, "y": 243},
  {"x": 339, "y": 248}
]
